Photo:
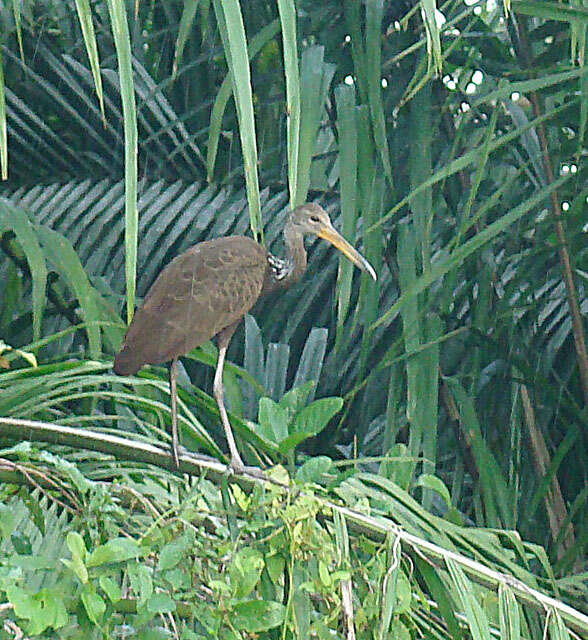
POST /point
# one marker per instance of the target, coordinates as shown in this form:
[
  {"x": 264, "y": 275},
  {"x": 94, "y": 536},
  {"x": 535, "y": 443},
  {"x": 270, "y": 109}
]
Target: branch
[{"x": 375, "y": 528}]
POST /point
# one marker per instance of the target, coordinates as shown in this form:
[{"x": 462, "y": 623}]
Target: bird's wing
[{"x": 202, "y": 291}]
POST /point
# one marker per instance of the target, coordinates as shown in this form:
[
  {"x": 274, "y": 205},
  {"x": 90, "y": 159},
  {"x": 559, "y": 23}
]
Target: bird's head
[{"x": 313, "y": 219}]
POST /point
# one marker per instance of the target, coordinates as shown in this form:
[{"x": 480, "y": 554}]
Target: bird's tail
[{"x": 125, "y": 363}]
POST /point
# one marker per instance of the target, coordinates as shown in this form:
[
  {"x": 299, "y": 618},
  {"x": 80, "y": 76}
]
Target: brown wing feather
[{"x": 202, "y": 291}]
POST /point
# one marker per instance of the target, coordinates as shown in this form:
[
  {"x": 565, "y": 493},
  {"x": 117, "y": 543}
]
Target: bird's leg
[
  {"x": 236, "y": 463},
  {"x": 173, "y": 374}
]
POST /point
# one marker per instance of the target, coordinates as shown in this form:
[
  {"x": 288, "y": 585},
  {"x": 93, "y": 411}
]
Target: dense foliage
[{"x": 436, "y": 415}]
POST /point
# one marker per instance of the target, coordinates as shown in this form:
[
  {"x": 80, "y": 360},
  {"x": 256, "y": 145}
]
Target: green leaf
[
  {"x": 315, "y": 417},
  {"x": 110, "y": 588},
  {"x": 347, "y": 128},
  {"x": 245, "y": 571},
  {"x": 296, "y": 398},
  {"x": 93, "y": 603},
  {"x": 313, "y": 469},
  {"x": 441, "y": 595},
  {"x": 115, "y": 550},
  {"x": 7, "y": 520},
  {"x": 174, "y": 552},
  {"x": 373, "y": 48},
  {"x": 399, "y": 631},
  {"x": 141, "y": 582},
  {"x": 44, "y": 609},
  {"x": 550, "y": 10},
  {"x": 273, "y": 420},
  {"x": 276, "y": 368},
  {"x": 76, "y": 545},
  {"x": 557, "y": 628},
  {"x": 255, "y": 616},
  {"x": 293, "y": 440},
  {"x": 435, "y": 484},
  {"x": 31, "y": 501},
  {"x": 161, "y": 603},
  {"x": 403, "y": 594},
  {"x": 275, "y": 567},
  {"x": 389, "y": 603}
]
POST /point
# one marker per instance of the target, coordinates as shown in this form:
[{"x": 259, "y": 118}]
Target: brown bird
[{"x": 206, "y": 291}]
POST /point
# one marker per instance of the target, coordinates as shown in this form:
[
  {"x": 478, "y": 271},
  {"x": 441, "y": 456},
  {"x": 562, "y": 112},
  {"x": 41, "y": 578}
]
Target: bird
[{"x": 206, "y": 291}]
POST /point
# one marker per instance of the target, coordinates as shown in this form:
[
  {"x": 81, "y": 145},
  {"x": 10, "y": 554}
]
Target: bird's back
[{"x": 202, "y": 291}]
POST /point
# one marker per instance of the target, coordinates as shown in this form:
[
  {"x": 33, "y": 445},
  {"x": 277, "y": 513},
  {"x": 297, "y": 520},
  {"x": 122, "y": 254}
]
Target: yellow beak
[{"x": 338, "y": 241}]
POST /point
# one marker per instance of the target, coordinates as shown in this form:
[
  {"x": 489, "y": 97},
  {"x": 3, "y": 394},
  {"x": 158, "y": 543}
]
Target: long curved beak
[{"x": 338, "y": 241}]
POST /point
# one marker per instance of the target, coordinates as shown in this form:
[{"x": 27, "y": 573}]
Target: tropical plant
[{"x": 450, "y": 140}]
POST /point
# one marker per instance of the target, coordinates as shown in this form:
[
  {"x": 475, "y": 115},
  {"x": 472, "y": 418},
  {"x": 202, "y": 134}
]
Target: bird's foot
[{"x": 237, "y": 466}]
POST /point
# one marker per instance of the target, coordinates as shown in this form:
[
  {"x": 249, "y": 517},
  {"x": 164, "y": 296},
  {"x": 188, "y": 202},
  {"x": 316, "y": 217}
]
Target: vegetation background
[{"x": 435, "y": 420}]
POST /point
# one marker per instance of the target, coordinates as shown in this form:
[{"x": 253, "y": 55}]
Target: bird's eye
[{"x": 314, "y": 219}]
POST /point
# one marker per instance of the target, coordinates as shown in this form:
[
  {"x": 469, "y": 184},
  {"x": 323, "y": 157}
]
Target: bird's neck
[
  {"x": 295, "y": 252},
  {"x": 285, "y": 271}
]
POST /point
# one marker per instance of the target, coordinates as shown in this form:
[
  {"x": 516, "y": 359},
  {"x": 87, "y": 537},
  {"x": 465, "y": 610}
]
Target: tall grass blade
[
  {"x": 412, "y": 332},
  {"x": 256, "y": 44},
  {"x": 358, "y": 53},
  {"x": 186, "y": 22},
  {"x": 311, "y": 360},
  {"x": 315, "y": 79},
  {"x": 556, "y": 626},
  {"x": 468, "y": 248},
  {"x": 472, "y": 156},
  {"x": 18, "y": 25},
  {"x": 550, "y": 10},
  {"x": 493, "y": 488},
  {"x": 428, "y": 9},
  {"x": 420, "y": 165},
  {"x": 232, "y": 30},
  {"x": 66, "y": 262},
  {"x": 373, "y": 47},
  {"x": 253, "y": 363},
  {"x": 3, "y": 132},
  {"x": 475, "y": 616},
  {"x": 122, "y": 40},
  {"x": 276, "y": 368},
  {"x": 347, "y": 130},
  {"x": 87, "y": 27},
  {"x": 287, "y": 9},
  {"x": 429, "y": 399},
  {"x": 442, "y": 597},
  {"x": 508, "y": 614},
  {"x": 18, "y": 221},
  {"x": 465, "y": 219}
]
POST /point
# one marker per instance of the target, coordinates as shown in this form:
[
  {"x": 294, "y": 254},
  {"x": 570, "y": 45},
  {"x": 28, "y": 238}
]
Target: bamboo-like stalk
[
  {"x": 375, "y": 528},
  {"x": 562, "y": 243}
]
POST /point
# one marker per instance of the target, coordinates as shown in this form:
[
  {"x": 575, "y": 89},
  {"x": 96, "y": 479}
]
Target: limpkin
[{"x": 206, "y": 291}]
